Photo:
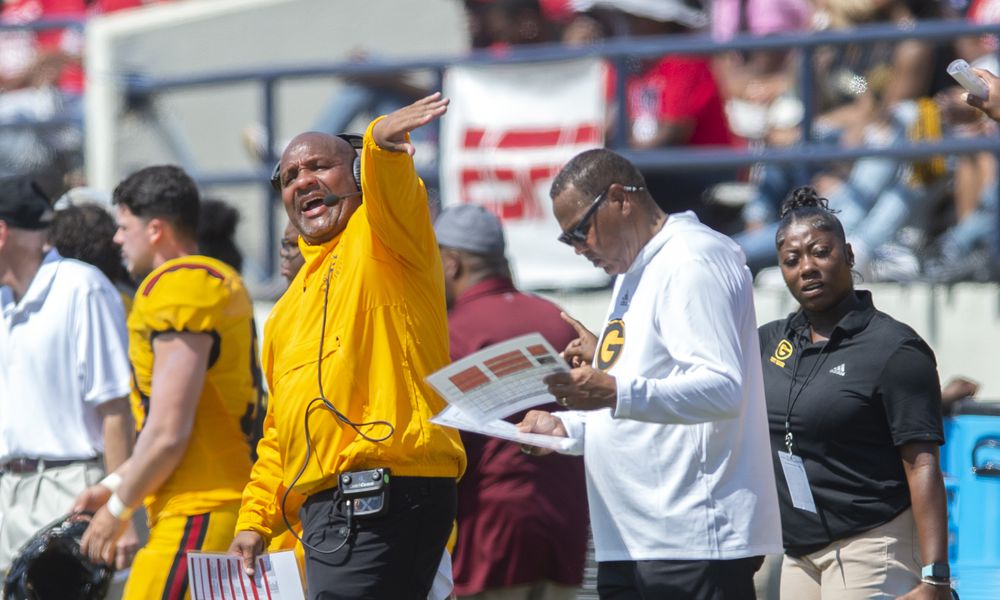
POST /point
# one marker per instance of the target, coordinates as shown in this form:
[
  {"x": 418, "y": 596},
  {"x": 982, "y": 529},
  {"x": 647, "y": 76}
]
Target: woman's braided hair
[{"x": 804, "y": 204}]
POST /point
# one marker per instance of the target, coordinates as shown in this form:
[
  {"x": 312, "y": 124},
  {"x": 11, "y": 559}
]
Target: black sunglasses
[{"x": 577, "y": 234}]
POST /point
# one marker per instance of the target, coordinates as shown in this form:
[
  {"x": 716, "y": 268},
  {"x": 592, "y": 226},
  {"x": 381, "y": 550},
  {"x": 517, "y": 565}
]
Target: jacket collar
[
  {"x": 850, "y": 324},
  {"x": 315, "y": 255}
]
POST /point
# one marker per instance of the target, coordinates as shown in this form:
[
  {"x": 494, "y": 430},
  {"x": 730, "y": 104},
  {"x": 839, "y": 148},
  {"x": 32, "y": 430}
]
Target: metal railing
[
  {"x": 620, "y": 50},
  {"x": 142, "y": 87}
]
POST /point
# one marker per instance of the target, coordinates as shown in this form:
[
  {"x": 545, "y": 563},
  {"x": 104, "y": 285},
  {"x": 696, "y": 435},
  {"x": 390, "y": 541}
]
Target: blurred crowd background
[{"x": 934, "y": 219}]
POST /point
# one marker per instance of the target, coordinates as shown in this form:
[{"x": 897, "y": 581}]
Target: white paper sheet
[
  {"x": 500, "y": 380},
  {"x": 214, "y": 576},
  {"x": 454, "y": 417}
]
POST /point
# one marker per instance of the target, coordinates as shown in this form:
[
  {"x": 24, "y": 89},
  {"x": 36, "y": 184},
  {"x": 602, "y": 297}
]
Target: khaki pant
[
  {"x": 30, "y": 501},
  {"x": 544, "y": 590},
  {"x": 880, "y": 563}
]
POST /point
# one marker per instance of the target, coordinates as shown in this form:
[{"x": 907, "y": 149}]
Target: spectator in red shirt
[
  {"x": 522, "y": 520},
  {"x": 673, "y": 100},
  {"x": 676, "y": 102},
  {"x": 41, "y": 77},
  {"x": 48, "y": 56}
]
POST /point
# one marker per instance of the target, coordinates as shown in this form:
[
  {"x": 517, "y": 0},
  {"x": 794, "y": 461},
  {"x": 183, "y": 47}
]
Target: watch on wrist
[{"x": 936, "y": 571}]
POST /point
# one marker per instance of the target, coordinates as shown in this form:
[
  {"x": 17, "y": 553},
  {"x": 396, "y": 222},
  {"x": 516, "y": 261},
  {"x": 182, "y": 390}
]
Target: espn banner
[{"x": 507, "y": 132}]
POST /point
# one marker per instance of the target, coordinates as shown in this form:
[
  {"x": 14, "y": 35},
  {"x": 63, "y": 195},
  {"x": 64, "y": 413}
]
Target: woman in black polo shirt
[{"x": 853, "y": 403}]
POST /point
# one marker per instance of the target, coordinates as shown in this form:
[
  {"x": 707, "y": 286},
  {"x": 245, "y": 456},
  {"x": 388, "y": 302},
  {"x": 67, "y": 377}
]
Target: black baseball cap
[{"x": 23, "y": 204}]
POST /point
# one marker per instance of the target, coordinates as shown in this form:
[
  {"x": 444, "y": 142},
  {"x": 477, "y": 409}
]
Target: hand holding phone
[{"x": 963, "y": 74}]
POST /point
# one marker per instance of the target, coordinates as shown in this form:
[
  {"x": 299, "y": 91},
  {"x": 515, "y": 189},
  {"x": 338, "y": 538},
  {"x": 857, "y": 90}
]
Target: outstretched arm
[{"x": 395, "y": 198}]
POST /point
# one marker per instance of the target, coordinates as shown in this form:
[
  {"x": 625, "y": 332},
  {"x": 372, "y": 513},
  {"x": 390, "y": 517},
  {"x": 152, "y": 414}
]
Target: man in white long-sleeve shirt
[{"x": 669, "y": 401}]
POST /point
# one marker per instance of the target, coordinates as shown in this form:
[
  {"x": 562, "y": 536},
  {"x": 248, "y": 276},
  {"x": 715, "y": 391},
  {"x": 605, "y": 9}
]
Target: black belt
[
  {"x": 400, "y": 484},
  {"x": 34, "y": 465}
]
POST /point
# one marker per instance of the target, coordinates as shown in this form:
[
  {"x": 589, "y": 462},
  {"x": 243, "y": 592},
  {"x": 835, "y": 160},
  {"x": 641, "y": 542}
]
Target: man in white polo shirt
[
  {"x": 669, "y": 403},
  {"x": 64, "y": 375}
]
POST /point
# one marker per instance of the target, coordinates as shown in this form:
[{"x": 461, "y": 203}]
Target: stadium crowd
[
  {"x": 134, "y": 390},
  {"x": 933, "y": 219}
]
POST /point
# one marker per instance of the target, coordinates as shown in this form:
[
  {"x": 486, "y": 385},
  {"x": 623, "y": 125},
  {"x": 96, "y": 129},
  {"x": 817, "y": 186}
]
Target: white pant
[{"x": 30, "y": 501}]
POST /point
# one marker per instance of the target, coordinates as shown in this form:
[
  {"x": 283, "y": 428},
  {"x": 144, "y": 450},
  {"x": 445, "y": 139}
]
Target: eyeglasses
[{"x": 577, "y": 234}]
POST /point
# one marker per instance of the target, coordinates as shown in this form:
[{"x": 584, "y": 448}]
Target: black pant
[
  {"x": 393, "y": 556},
  {"x": 678, "y": 579}
]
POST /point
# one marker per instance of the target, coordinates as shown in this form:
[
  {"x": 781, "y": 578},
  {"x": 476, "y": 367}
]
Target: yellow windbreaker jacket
[{"x": 386, "y": 330}]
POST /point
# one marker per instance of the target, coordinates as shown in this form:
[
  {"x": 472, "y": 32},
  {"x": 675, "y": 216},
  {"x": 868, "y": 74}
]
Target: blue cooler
[{"x": 971, "y": 461}]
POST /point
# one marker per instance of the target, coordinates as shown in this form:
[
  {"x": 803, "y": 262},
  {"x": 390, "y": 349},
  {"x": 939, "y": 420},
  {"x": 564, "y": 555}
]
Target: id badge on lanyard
[
  {"x": 798, "y": 482},
  {"x": 791, "y": 465}
]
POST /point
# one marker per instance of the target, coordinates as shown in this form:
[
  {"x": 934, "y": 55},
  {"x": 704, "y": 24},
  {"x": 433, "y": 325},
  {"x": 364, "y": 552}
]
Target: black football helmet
[{"x": 50, "y": 566}]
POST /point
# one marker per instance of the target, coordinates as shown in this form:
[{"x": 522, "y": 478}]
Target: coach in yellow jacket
[{"x": 345, "y": 354}]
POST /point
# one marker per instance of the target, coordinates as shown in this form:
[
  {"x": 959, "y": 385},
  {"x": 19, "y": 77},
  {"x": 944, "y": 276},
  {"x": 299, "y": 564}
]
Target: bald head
[
  {"x": 335, "y": 146},
  {"x": 313, "y": 167}
]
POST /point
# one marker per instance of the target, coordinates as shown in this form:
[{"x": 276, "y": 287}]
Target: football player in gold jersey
[{"x": 195, "y": 389}]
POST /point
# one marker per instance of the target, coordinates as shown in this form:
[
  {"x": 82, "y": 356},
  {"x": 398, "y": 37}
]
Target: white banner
[{"x": 508, "y": 131}]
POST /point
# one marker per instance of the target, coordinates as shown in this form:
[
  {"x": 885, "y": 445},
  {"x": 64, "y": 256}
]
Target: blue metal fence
[{"x": 143, "y": 86}]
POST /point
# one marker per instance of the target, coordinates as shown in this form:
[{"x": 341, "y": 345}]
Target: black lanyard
[{"x": 789, "y": 438}]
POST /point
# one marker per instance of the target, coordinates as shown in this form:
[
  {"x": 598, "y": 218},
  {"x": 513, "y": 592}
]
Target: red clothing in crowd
[
  {"x": 521, "y": 519},
  {"x": 679, "y": 88},
  {"x": 985, "y": 12},
  {"x": 18, "y": 49}
]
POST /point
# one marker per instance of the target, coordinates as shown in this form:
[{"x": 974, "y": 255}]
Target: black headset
[{"x": 356, "y": 141}]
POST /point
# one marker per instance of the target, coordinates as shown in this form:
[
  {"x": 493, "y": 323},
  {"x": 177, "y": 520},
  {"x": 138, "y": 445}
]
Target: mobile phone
[{"x": 963, "y": 74}]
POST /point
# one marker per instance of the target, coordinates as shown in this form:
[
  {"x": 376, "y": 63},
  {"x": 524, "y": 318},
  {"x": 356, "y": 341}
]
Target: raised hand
[{"x": 391, "y": 132}]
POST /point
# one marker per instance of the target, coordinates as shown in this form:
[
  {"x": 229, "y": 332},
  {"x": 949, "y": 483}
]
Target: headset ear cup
[{"x": 358, "y": 143}]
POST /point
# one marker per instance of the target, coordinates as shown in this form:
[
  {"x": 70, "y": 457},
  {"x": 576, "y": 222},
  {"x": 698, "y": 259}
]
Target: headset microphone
[{"x": 332, "y": 199}]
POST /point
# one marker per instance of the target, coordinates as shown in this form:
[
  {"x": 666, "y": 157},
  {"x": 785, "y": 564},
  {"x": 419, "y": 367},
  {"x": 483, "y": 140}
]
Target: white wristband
[
  {"x": 118, "y": 509},
  {"x": 112, "y": 482}
]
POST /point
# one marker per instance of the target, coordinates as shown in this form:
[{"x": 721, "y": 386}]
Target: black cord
[
  {"x": 319, "y": 379},
  {"x": 341, "y": 416},
  {"x": 790, "y": 404}
]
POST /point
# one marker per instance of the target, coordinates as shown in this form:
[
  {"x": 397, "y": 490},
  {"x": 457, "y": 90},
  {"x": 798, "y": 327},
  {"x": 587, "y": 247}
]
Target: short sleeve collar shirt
[
  {"x": 850, "y": 402},
  {"x": 64, "y": 353}
]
